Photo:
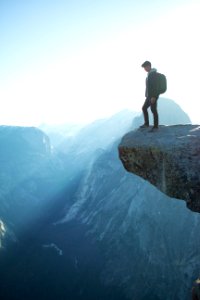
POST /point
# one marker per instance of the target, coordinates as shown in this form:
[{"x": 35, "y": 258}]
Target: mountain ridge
[{"x": 124, "y": 240}]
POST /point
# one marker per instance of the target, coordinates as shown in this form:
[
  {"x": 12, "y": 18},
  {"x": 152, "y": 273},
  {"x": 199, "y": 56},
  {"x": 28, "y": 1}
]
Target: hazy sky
[{"x": 75, "y": 61}]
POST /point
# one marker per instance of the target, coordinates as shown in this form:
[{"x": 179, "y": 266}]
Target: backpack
[{"x": 161, "y": 83}]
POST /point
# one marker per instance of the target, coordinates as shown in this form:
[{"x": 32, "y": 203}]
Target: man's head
[{"x": 146, "y": 65}]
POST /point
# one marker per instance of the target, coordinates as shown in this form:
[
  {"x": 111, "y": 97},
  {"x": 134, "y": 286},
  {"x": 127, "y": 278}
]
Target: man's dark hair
[{"x": 146, "y": 63}]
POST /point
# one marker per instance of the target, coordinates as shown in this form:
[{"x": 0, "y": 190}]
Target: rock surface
[{"x": 168, "y": 158}]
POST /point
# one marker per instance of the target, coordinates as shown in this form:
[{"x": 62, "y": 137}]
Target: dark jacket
[{"x": 151, "y": 84}]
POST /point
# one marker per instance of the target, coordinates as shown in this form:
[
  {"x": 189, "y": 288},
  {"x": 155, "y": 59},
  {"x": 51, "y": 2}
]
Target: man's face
[{"x": 147, "y": 68}]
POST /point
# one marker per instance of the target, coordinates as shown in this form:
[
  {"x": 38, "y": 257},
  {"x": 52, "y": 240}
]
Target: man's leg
[
  {"x": 155, "y": 113},
  {"x": 145, "y": 112}
]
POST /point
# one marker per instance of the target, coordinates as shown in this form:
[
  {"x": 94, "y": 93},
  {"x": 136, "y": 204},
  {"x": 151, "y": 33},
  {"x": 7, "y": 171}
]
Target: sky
[{"x": 77, "y": 61}]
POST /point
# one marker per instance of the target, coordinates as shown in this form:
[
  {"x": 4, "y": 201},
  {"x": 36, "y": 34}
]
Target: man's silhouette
[{"x": 151, "y": 96}]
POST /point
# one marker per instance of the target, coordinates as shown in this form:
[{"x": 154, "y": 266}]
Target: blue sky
[{"x": 75, "y": 61}]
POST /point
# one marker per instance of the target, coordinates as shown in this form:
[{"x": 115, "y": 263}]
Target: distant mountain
[
  {"x": 99, "y": 232},
  {"x": 30, "y": 176},
  {"x": 80, "y": 150},
  {"x": 100, "y": 134},
  {"x": 61, "y": 132},
  {"x": 103, "y": 132}
]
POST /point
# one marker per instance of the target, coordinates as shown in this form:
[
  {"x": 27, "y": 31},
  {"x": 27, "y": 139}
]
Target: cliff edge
[{"x": 168, "y": 158}]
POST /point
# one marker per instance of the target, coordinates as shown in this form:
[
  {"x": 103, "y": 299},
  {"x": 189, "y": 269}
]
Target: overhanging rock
[{"x": 168, "y": 158}]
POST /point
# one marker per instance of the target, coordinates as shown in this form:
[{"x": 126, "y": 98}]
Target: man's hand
[{"x": 153, "y": 100}]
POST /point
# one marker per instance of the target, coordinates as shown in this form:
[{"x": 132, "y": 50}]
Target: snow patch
[
  {"x": 55, "y": 247},
  {"x": 2, "y": 232}
]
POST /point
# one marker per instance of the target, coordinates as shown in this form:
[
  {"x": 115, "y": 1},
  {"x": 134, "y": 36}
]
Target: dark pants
[{"x": 153, "y": 106}]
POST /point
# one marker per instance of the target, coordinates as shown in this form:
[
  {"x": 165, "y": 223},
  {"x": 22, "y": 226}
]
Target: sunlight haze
[{"x": 64, "y": 61}]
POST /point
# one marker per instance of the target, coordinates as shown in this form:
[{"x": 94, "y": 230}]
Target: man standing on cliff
[{"x": 151, "y": 96}]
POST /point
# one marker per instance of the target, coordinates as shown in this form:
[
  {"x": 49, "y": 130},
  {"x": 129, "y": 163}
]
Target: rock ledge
[{"x": 168, "y": 158}]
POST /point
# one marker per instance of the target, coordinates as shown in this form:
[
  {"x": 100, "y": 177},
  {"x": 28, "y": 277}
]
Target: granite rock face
[
  {"x": 168, "y": 158},
  {"x": 28, "y": 175}
]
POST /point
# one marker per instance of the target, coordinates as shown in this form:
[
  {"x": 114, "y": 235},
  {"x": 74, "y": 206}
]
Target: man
[{"x": 151, "y": 96}]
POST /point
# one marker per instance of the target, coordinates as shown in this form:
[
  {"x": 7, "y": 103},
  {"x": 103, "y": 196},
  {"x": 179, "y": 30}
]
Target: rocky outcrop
[
  {"x": 168, "y": 158},
  {"x": 28, "y": 175}
]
